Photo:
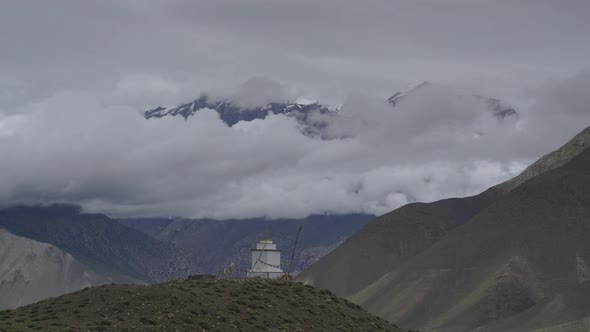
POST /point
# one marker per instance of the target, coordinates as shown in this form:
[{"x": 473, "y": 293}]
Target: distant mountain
[
  {"x": 215, "y": 244},
  {"x": 497, "y": 107},
  {"x": 303, "y": 109},
  {"x": 196, "y": 305},
  {"x": 231, "y": 113},
  {"x": 98, "y": 242},
  {"x": 459, "y": 264},
  {"x": 31, "y": 271}
]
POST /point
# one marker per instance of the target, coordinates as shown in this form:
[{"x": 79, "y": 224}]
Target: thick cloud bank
[
  {"x": 78, "y": 148},
  {"x": 74, "y": 76}
]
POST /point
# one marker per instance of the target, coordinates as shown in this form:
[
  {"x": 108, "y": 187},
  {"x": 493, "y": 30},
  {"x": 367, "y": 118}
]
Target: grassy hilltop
[{"x": 196, "y": 305}]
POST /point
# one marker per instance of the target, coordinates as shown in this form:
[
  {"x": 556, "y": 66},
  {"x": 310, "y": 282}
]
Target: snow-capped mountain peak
[{"x": 231, "y": 113}]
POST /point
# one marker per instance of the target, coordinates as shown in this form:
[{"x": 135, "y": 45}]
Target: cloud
[
  {"x": 259, "y": 91},
  {"x": 73, "y": 148},
  {"x": 75, "y": 76},
  {"x": 331, "y": 48}
]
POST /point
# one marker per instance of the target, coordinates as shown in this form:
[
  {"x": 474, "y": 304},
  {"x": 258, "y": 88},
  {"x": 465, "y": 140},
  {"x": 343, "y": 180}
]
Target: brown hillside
[
  {"x": 532, "y": 243},
  {"x": 391, "y": 240},
  {"x": 569, "y": 311},
  {"x": 396, "y": 237}
]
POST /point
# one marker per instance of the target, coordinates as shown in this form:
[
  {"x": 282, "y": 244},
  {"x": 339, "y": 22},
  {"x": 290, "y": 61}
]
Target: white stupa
[{"x": 266, "y": 261}]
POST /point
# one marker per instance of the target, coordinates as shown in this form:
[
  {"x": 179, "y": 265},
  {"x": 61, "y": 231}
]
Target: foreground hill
[
  {"x": 215, "y": 244},
  {"x": 196, "y": 305},
  {"x": 31, "y": 271}
]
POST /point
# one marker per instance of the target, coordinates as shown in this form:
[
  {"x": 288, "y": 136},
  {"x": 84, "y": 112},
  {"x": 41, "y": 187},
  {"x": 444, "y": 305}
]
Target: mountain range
[
  {"x": 33, "y": 271},
  {"x": 303, "y": 109},
  {"x": 232, "y": 113},
  {"x": 51, "y": 250},
  {"x": 494, "y": 261},
  {"x": 216, "y": 244}
]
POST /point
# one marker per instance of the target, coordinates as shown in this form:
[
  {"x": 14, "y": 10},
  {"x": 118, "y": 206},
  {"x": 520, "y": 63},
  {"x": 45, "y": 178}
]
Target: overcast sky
[{"x": 75, "y": 75}]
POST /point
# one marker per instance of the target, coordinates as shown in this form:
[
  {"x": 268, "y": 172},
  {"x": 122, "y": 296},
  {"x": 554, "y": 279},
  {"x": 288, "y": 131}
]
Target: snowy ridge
[
  {"x": 231, "y": 113},
  {"x": 303, "y": 108}
]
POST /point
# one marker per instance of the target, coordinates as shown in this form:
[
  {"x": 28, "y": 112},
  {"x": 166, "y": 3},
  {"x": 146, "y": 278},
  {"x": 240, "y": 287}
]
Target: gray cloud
[
  {"x": 259, "y": 91},
  {"x": 75, "y": 75},
  {"x": 70, "y": 148},
  {"x": 329, "y": 47}
]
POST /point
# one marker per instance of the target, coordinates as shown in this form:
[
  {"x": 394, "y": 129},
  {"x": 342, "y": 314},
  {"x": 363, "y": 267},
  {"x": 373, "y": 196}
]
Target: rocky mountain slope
[
  {"x": 215, "y": 244},
  {"x": 532, "y": 243},
  {"x": 390, "y": 240},
  {"x": 31, "y": 271},
  {"x": 564, "y": 312},
  {"x": 400, "y": 234},
  {"x": 196, "y": 305},
  {"x": 98, "y": 242},
  {"x": 459, "y": 264},
  {"x": 552, "y": 160}
]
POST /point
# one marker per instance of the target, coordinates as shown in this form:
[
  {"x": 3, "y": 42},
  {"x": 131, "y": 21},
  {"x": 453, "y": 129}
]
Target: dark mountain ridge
[
  {"x": 98, "y": 241},
  {"x": 231, "y": 113},
  {"x": 530, "y": 244},
  {"x": 215, "y": 244}
]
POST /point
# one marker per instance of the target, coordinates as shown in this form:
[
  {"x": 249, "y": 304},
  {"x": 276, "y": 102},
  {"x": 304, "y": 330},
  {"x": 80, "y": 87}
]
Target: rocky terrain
[{"x": 32, "y": 271}]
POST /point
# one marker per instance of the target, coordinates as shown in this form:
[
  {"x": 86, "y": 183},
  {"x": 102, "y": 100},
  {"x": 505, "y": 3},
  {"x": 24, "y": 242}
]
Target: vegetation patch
[{"x": 196, "y": 305}]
